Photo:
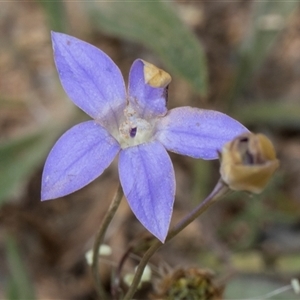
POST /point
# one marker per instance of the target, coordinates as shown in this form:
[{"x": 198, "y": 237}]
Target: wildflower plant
[{"x": 135, "y": 124}]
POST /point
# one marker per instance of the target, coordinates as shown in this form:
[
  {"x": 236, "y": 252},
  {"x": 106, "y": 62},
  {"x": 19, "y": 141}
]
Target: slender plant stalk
[
  {"x": 99, "y": 240},
  {"x": 218, "y": 192}
]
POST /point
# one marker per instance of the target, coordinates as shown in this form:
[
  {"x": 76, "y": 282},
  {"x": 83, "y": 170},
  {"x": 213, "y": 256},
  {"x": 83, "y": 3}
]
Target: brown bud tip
[
  {"x": 156, "y": 77},
  {"x": 248, "y": 162}
]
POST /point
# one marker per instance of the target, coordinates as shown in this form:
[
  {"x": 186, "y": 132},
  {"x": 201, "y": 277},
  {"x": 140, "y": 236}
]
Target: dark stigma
[{"x": 133, "y": 132}]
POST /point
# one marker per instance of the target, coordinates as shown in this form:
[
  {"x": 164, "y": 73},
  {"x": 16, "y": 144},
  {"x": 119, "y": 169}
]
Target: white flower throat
[{"x": 134, "y": 130}]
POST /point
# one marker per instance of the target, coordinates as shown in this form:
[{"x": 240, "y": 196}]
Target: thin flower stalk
[
  {"x": 218, "y": 192},
  {"x": 100, "y": 238}
]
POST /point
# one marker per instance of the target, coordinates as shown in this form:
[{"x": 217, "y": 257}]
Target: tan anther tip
[{"x": 156, "y": 77}]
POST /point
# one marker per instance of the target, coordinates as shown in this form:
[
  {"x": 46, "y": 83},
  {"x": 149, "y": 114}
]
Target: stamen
[{"x": 134, "y": 130}]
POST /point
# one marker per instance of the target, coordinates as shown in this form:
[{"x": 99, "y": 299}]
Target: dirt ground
[{"x": 239, "y": 238}]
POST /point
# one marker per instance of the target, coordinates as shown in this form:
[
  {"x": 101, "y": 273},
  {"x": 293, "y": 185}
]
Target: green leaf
[
  {"x": 201, "y": 184},
  {"x": 273, "y": 115},
  {"x": 268, "y": 19},
  {"x": 156, "y": 25},
  {"x": 20, "y": 157},
  {"x": 19, "y": 286},
  {"x": 56, "y": 14}
]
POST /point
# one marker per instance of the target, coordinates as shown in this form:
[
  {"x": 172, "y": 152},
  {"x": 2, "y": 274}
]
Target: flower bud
[{"x": 248, "y": 162}]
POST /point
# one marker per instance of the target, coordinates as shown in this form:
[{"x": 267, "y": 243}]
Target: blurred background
[{"x": 239, "y": 57}]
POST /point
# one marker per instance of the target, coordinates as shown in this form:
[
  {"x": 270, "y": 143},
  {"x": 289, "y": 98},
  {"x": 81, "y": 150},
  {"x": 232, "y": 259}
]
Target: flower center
[{"x": 134, "y": 130}]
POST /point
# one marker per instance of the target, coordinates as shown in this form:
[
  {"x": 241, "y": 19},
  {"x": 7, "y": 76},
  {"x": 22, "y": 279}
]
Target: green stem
[
  {"x": 99, "y": 240},
  {"x": 219, "y": 191}
]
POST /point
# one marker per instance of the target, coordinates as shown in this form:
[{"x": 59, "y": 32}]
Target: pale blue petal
[
  {"x": 90, "y": 78},
  {"x": 146, "y": 100},
  {"x": 197, "y": 132},
  {"x": 148, "y": 181},
  {"x": 77, "y": 158}
]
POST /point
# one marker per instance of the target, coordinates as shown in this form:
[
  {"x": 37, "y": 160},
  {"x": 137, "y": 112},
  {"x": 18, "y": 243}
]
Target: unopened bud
[{"x": 248, "y": 162}]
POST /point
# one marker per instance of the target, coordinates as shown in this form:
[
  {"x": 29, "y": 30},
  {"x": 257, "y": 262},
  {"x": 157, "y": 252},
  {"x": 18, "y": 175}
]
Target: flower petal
[
  {"x": 148, "y": 181},
  {"x": 197, "y": 132},
  {"x": 90, "y": 78},
  {"x": 147, "y": 89},
  {"x": 77, "y": 158}
]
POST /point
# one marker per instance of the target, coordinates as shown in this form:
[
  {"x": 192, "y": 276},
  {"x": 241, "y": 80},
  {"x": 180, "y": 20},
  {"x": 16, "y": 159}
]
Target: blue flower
[{"x": 133, "y": 123}]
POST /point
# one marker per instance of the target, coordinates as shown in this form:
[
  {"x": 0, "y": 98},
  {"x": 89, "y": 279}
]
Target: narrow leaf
[
  {"x": 19, "y": 286},
  {"x": 156, "y": 25},
  {"x": 56, "y": 14},
  {"x": 276, "y": 115},
  {"x": 20, "y": 157},
  {"x": 268, "y": 20}
]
